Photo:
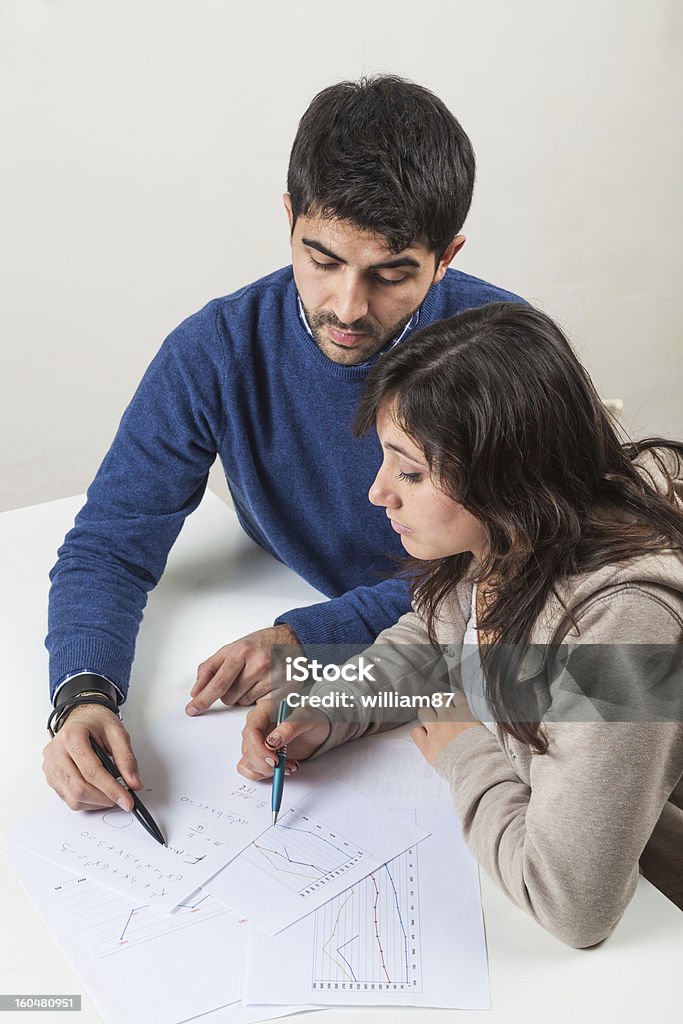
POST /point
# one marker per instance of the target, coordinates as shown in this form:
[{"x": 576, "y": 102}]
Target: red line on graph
[{"x": 374, "y": 914}]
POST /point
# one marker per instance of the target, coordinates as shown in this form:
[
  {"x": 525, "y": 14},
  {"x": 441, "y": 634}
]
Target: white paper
[
  {"x": 207, "y": 812},
  {"x": 138, "y": 964},
  {"x": 235, "y": 1013},
  {"x": 332, "y": 838},
  {"x": 411, "y": 933},
  {"x": 386, "y": 768}
]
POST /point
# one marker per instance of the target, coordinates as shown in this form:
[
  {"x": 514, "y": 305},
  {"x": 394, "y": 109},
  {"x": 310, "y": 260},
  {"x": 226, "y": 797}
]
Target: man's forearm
[{"x": 357, "y": 617}]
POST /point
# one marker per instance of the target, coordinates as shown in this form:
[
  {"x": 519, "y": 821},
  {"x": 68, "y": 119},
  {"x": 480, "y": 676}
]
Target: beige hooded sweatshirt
[{"x": 564, "y": 833}]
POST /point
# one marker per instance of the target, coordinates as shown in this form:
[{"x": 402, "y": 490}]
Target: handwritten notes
[
  {"x": 115, "y": 850},
  {"x": 206, "y": 811}
]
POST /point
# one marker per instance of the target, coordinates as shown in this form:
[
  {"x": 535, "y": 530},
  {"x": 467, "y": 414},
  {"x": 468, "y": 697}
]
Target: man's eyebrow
[
  {"x": 321, "y": 248},
  {"x": 399, "y": 261}
]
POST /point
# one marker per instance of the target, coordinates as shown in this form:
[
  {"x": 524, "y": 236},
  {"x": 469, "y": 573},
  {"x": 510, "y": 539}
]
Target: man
[{"x": 379, "y": 184}]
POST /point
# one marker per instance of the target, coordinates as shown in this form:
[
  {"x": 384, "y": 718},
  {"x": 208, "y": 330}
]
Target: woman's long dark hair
[{"x": 513, "y": 429}]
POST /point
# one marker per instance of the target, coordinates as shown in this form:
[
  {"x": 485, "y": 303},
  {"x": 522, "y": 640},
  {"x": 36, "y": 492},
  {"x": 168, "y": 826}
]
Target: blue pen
[{"x": 279, "y": 770}]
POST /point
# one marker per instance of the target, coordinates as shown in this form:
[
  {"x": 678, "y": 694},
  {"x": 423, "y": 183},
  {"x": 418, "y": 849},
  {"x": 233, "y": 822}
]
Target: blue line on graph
[
  {"x": 265, "y": 850},
  {"x": 322, "y": 839},
  {"x": 400, "y": 920},
  {"x": 130, "y": 918},
  {"x": 193, "y": 906},
  {"x": 339, "y": 950}
]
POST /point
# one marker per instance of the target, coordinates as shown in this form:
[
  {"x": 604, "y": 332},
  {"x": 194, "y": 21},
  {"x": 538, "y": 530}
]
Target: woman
[{"x": 547, "y": 567}]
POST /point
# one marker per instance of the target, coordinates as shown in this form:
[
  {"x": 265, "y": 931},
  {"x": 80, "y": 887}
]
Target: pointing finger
[{"x": 216, "y": 686}]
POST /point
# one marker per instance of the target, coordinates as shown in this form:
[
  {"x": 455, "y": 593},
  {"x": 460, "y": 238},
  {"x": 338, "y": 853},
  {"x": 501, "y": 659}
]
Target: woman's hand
[
  {"x": 441, "y": 725},
  {"x": 303, "y": 732}
]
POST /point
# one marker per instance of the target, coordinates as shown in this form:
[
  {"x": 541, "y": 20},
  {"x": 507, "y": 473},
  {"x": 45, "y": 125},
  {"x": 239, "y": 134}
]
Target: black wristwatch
[{"x": 86, "y": 688}]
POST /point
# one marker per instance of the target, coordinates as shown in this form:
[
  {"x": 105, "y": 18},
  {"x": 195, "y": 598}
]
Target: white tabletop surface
[{"x": 217, "y": 587}]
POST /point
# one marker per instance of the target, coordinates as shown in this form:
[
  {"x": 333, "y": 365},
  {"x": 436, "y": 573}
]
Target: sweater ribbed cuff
[
  {"x": 322, "y": 624},
  {"x": 98, "y": 656}
]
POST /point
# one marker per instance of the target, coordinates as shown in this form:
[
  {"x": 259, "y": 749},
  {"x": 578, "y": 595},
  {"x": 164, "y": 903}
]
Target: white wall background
[{"x": 144, "y": 152}]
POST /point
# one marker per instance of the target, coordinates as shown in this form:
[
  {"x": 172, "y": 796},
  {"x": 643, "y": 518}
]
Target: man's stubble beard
[{"x": 352, "y": 356}]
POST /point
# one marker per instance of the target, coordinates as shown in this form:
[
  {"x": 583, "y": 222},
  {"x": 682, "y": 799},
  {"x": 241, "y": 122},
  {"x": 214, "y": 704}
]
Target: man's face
[{"x": 357, "y": 294}]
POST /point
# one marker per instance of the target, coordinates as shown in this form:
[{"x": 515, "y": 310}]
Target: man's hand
[
  {"x": 441, "y": 725},
  {"x": 303, "y": 732},
  {"x": 239, "y": 673},
  {"x": 73, "y": 769}
]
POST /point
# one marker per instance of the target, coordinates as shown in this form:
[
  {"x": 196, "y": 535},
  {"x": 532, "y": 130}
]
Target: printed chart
[
  {"x": 319, "y": 848},
  {"x": 368, "y": 938},
  {"x": 140, "y": 965},
  {"x": 111, "y": 924},
  {"x": 408, "y": 933},
  {"x": 303, "y": 854}
]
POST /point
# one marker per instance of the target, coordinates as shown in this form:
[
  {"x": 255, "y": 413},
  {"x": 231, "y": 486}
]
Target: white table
[{"x": 217, "y": 587}]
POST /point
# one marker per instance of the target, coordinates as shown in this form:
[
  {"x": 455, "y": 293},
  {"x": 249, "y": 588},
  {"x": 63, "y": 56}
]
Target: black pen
[{"x": 139, "y": 809}]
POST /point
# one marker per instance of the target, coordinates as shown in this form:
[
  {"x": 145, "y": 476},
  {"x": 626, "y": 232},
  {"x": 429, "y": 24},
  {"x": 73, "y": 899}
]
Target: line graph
[
  {"x": 368, "y": 938},
  {"x": 302, "y": 853},
  {"x": 111, "y": 925},
  {"x": 136, "y": 911}
]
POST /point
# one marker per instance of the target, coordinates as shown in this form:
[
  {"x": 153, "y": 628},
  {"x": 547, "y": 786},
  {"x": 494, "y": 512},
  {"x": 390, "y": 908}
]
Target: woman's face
[{"x": 430, "y": 524}]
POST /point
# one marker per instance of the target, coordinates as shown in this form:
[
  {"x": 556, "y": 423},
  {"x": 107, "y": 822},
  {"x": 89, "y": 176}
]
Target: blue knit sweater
[{"x": 241, "y": 379}]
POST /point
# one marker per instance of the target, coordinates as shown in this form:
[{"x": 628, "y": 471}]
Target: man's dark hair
[{"x": 386, "y": 155}]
